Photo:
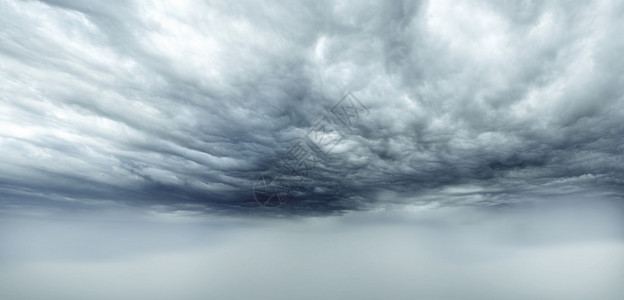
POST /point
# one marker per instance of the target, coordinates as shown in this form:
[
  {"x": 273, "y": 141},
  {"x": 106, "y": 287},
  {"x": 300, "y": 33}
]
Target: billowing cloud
[
  {"x": 416, "y": 149},
  {"x": 186, "y": 105}
]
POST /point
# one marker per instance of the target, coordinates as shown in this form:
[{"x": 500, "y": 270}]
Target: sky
[{"x": 201, "y": 146}]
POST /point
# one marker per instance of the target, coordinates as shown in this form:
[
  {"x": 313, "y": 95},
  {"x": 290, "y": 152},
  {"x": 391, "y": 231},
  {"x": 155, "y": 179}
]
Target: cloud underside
[{"x": 189, "y": 104}]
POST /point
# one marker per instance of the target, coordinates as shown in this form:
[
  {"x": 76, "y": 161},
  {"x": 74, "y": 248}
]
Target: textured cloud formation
[{"x": 185, "y": 105}]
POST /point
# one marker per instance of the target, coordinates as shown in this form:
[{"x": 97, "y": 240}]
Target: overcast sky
[{"x": 197, "y": 109}]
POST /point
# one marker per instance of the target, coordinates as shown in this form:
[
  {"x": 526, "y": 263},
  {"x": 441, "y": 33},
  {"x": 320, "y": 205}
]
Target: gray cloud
[{"x": 159, "y": 104}]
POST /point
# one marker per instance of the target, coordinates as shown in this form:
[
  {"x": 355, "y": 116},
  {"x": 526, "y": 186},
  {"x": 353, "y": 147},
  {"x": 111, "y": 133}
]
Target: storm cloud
[
  {"x": 311, "y": 149},
  {"x": 142, "y": 103}
]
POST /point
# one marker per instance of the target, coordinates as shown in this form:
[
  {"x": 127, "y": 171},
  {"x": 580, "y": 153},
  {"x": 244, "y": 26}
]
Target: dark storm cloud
[{"x": 140, "y": 103}]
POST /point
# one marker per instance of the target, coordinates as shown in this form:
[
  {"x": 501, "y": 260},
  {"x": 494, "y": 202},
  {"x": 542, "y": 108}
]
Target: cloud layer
[{"x": 185, "y": 105}]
